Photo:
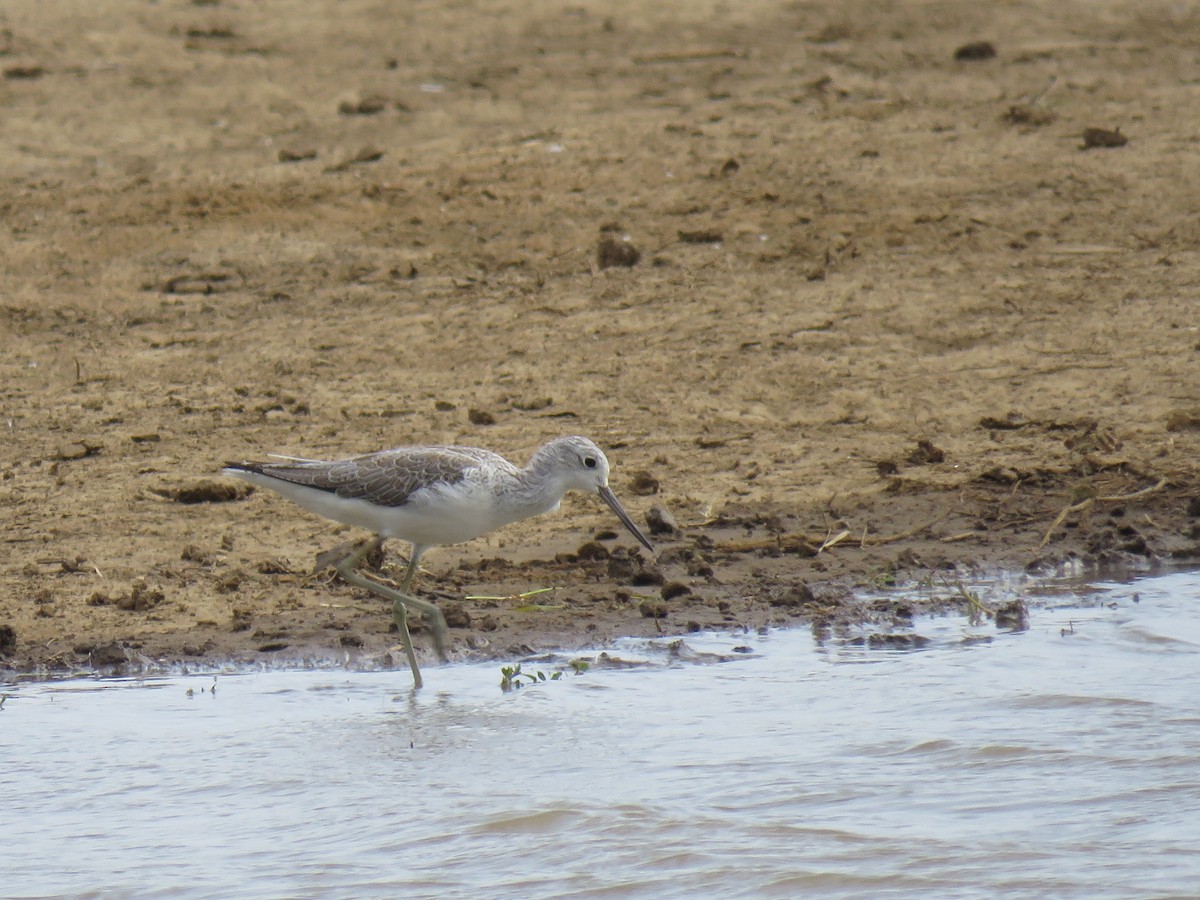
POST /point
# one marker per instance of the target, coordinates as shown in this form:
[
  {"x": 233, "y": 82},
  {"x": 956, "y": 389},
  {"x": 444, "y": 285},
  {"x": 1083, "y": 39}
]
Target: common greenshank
[{"x": 432, "y": 496}]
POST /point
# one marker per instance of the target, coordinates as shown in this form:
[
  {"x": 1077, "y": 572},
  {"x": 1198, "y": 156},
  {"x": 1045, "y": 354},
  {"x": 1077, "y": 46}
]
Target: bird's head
[{"x": 582, "y": 466}]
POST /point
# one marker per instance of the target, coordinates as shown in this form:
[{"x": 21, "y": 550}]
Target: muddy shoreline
[
  {"x": 856, "y": 306},
  {"x": 741, "y": 573}
]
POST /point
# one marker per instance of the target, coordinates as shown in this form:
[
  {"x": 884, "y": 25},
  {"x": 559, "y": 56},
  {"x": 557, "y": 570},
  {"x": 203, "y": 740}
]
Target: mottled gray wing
[{"x": 387, "y": 478}]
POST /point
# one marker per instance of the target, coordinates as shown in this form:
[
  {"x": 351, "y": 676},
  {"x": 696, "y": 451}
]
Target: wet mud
[{"x": 852, "y": 297}]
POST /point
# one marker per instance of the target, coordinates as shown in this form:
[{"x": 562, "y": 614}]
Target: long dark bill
[{"x": 615, "y": 505}]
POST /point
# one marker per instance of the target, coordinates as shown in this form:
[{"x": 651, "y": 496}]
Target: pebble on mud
[
  {"x": 75, "y": 450},
  {"x": 611, "y": 253},
  {"x": 8, "y": 639}
]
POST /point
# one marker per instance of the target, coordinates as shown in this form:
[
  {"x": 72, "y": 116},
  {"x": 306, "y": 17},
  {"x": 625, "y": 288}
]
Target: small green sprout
[{"x": 511, "y": 677}]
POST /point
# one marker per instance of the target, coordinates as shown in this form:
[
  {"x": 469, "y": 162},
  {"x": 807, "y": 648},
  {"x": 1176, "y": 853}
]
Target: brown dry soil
[{"x": 883, "y": 294}]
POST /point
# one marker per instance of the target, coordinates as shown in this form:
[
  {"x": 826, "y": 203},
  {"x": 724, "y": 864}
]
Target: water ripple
[{"x": 1057, "y": 761}]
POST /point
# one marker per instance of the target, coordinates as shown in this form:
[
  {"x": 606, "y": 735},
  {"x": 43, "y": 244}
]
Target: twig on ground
[
  {"x": 836, "y": 539},
  {"x": 912, "y": 532},
  {"x": 799, "y": 540},
  {"x": 1084, "y": 504}
]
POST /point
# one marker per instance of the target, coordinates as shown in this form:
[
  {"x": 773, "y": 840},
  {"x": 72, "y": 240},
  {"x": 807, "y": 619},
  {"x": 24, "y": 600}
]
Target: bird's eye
[{"x": 589, "y": 462}]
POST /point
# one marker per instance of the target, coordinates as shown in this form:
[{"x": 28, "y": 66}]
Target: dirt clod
[
  {"x": 1184, "y": 420},
  {"x": 367, "y": 106},
  {"x": 1104, "y": 138},
  {"x": 456, "y": 615},
  {"x": 1021, "y": 114},
  {"x": 592, "y": 550},
  {"x": 673, "y": 589},
  {"x": 480, "y": 417},
  {"x": 660, "y": 521},
  {"x": 643, "y": 484},
  {"x": 112, "y": 653},
  {"x": 653, "y": 609},
  {"x": 924, "y": 454},
  {"x": 794, "y": 597},
  {"x": 140, "y": 598},
  {"x": 205, "y": 491},
  {"x": 900, "y": 640},
  {"x": 611, "y": 252},
  {"x": 702, "y": 236},
  {"x": 1013, "y": 616},
  {"x": 290, "y": 155},
  {"x": 976, "y": 51},
  {"x": 647, "y": 576},
  {"x": 23, "y": 73},
  {"x": 368, "y": 154},
  {"x": 1008, "y": 422}
]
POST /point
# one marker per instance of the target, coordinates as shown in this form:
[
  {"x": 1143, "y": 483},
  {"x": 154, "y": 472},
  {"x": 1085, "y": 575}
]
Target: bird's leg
[
  {"x": 401, "y": 601},
  {"x": 433, "y": 615},
  {"x": 346, "y": 569}
]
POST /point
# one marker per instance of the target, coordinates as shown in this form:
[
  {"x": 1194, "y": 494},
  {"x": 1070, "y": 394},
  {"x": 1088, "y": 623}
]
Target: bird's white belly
[
  {"x": 446, "y": 516},
  {"x": 449, "y": 514}
]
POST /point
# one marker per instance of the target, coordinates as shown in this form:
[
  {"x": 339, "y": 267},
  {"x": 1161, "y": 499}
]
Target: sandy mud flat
[{"x": 859, "y": 295}]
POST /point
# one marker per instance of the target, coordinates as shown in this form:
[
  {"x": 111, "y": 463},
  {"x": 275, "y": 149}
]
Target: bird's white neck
[{"x": 540, "y": 488}]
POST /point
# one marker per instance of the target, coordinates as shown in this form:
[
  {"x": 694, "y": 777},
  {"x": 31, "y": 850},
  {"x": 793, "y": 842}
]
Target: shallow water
[{"x": 1061, "y": 761}]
